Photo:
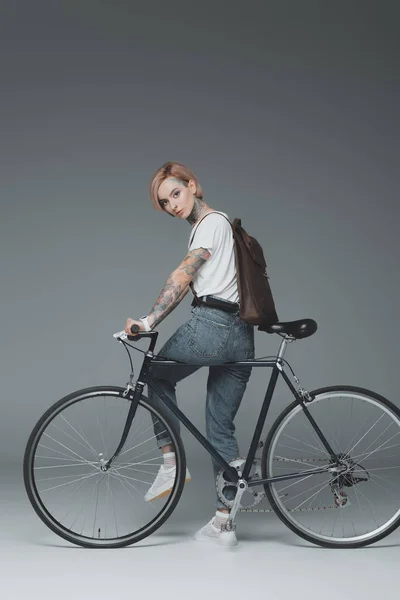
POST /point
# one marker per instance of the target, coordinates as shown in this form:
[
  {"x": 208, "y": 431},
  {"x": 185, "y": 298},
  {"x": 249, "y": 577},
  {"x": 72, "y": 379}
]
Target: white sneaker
[
  {"x": 163, "y": 483},
  {"x": 210, "y": 533}
]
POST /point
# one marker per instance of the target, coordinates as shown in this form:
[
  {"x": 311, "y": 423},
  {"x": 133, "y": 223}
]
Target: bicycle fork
[{"x": 131, "y": 415}]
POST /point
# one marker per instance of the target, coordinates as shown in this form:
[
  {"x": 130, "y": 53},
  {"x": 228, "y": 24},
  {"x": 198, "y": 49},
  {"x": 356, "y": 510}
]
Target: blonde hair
[{"x": 172, "y": 169}]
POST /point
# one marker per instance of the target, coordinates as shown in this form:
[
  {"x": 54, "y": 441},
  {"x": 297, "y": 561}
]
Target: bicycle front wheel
[
  {"x": 63, "y": 472},
  {"x": 351, "y": 506}
]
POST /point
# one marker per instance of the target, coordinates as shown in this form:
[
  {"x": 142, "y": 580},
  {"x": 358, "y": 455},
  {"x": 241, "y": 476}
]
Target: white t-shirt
[{"x": 218, "y": 274}]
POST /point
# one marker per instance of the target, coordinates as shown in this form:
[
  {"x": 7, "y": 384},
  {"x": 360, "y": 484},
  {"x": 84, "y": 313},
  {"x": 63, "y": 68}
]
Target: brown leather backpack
[{"x": 257, "y": 305}]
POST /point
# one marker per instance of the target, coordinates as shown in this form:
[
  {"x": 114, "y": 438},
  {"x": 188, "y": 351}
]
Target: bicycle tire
[
  {"x": 37, "y": 502},
  {"x": 271, "y": 493}
]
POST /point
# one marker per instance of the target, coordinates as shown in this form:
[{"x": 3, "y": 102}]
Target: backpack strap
[{"x": 210, "y": 213}]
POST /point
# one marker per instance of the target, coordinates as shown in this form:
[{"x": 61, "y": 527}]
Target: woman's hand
[{"x": 131, "y": 322}]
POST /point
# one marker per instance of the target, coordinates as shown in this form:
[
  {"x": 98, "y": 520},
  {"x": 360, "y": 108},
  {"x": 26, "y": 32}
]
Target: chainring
[{"x": 250, "y": 498}]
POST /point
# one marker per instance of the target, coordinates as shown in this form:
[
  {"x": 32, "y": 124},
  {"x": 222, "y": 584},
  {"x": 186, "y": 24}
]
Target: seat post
[{"x": 284, "y": 343}]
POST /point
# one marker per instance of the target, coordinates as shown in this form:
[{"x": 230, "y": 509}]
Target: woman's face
[{"x": 176, "y": 198}]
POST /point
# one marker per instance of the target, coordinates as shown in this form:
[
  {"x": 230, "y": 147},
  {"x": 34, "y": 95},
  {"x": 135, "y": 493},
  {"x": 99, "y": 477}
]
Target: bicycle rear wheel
[
  {"x": 355, "y": 505},
  {"x": 63, "y": 476}
]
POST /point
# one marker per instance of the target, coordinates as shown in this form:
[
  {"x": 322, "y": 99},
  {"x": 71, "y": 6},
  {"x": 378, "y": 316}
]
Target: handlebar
[
  {"x": 123, "y": 335},
  {"x": 137, "y": 335}
]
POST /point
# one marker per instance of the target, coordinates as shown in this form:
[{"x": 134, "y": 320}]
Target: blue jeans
[{"x": 210, "y": 337}]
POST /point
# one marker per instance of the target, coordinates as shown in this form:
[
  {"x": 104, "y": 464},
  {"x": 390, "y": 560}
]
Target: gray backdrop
[{"x": 288, "y": 114}]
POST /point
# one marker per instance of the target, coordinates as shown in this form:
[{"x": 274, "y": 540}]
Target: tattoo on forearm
[
  {"x": 177, "y": 285},
  {"x": 166, "y": 302}
]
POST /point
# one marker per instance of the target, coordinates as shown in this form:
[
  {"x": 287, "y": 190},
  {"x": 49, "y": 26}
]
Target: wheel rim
[
  {"x": 353, "y": 506},
  {"x": 67, "y": 486}
]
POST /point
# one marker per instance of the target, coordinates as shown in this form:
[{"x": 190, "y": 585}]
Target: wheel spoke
[
  {"x": 66, "y": 447},
  {"x": 307, "y": 445},
  {"x": 68, "y": 482}
]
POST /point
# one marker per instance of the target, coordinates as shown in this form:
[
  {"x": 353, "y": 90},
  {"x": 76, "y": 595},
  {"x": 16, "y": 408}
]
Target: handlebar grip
[{"x": 135, "y": 329}]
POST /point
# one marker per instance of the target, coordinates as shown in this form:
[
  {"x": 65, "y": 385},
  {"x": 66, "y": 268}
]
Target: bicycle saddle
[{"x": 298, "y": 329}]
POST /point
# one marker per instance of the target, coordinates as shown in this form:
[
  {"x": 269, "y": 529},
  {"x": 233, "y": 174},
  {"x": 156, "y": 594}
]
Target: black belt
[{"x": 215, "y": 302}]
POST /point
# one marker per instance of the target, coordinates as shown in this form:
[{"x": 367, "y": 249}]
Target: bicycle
[{"x": 104, "y": 436}]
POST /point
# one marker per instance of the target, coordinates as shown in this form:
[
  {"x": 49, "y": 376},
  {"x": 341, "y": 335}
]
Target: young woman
[{"x": 210, "y": 336}]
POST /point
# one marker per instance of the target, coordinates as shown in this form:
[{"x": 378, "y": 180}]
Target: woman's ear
[{"x": 192, "y": 187}]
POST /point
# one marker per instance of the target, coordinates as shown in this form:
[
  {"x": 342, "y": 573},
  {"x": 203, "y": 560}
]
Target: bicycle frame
[{"x": 277, "y": 369}]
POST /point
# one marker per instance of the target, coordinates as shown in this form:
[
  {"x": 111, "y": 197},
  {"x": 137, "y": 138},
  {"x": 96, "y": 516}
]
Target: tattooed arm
[{"x": 177, "y": 285}]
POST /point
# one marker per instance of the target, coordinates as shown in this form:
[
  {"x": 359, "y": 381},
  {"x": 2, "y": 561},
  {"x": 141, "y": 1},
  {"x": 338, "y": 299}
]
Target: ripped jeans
[{"x": 210, "y": 336}]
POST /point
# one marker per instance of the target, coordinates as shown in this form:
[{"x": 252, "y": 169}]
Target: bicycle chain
[
  {"x": 267, "y": 510},
  {"x": 270, "y": 510}
]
